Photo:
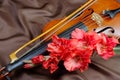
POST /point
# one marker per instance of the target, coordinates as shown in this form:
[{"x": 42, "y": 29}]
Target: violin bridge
[{"x": 97, "y": 18}]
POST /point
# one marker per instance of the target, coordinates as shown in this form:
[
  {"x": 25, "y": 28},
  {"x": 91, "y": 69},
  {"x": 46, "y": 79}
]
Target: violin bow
[{"x": 13, "y": 56}]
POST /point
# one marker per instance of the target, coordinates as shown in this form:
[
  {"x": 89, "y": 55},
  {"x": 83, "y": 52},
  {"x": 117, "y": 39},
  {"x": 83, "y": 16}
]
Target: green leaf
[{"x": 117, "y": 49}]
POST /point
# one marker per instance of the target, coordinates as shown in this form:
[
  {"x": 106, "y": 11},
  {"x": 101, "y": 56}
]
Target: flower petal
[{"x": 78, "y": 34}]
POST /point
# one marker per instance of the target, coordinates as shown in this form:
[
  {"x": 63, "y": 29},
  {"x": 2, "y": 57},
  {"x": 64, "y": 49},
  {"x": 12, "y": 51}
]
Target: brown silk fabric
[{"x": 23, "y": 20}]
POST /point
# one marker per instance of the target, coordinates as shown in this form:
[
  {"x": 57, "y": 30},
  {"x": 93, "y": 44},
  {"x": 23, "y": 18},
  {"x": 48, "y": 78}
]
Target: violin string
[
  {"x": 85, "y": 20},
  {"x": 94, "y": 23},
  {"x": 89, "y": 20}
]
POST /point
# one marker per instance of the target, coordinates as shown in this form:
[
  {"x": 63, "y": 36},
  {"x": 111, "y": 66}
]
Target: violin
[{"x": 97, "y": 15}]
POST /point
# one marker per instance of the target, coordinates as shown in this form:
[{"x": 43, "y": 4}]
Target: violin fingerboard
[{"x": 41, "y": 49}]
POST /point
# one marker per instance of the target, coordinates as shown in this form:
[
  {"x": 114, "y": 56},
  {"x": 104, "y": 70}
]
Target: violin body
[
  {"x": 108, "y": 22},
  {"x": 98, "y": 7},
  {"x": 96, "y": 20}
]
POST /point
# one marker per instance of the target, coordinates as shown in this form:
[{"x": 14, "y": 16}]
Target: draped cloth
[{"x": 23, "y": 20}]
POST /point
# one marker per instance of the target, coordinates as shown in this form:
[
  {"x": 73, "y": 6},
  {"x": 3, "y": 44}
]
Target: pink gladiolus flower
[
  {"x": 105, "y": 47},
  {"x": 89, "y": 39},
  {"x": 78, "y": 61},
  {"x": 38, "y": 59},
  {"x": 51, "y": 63},
  {"x": 76, "y": 52}
]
